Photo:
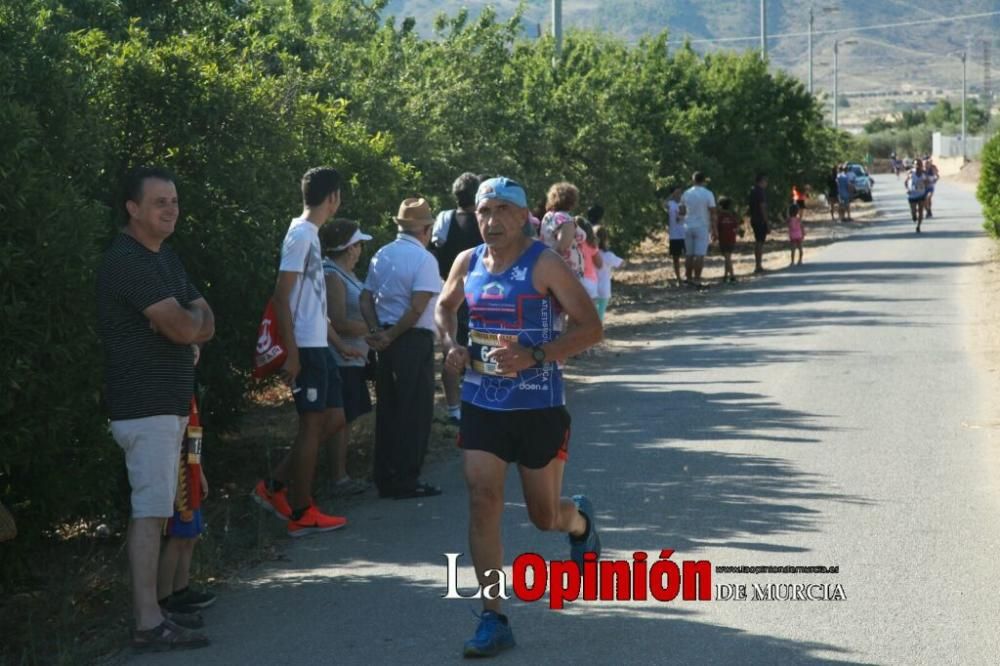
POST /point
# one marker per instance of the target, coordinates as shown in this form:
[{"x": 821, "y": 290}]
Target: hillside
[{"x": 914, "y": 61}]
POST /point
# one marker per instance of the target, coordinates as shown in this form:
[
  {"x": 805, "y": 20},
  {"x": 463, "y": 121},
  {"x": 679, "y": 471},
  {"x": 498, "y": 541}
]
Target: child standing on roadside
[
  {"x": 796, "y": 231},
  {"x": 676, "y": 230},
  {"x": 727, "y": 226},
  {"x": 184, "y": 528},
  {"x": 587, "y": 243},
  {"x": 610, "y": 261}
]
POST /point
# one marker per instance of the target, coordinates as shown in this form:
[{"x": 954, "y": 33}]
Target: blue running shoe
[
  {"x": 593, "y": 542},
  {"x": 492, "y": 635}
]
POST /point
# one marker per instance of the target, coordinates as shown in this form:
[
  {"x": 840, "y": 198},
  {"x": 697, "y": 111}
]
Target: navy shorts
[
  {"x": 317, "y": 388},
  {"x": 677, "y": 248},
  {"x": 528, "y": 437},
  {"x": 357, "y": 400}
]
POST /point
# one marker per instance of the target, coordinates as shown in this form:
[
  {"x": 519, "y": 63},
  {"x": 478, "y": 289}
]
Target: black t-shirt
[
  {"x": 758, "y": 196},
  {"x": 831, "y": 186},
  {"x": 462, "y": 235},
  {"x": 145, "y": 373}
]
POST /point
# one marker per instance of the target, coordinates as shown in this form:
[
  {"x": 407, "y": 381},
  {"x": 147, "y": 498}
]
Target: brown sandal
[{"x": 167, "y": 636}]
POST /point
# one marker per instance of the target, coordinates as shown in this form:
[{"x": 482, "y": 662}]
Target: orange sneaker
[
  {"x": 314, "y": 521},
  {"x": 276, "y": 502}
]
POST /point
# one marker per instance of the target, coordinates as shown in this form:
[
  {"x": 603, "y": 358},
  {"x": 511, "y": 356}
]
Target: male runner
[
  {"x": 513, "y": 403},
  {"x": 916, "y": 192}
]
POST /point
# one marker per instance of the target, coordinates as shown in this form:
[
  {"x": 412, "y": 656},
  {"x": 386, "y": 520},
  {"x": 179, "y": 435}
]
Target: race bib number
[{"x": 480, "y": 346}]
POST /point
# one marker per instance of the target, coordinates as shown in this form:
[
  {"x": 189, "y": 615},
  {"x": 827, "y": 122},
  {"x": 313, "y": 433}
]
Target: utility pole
[
  {"x": 763, "y": 29},
  {"x": 810, "y": 50},
  {"x": 964, "y": 152},
  {"x": 987, "y": 95},
  {"x": 557, "y": 30},
  {"x": 836, "y": 77},
  {"x": 836, "y": 96}
]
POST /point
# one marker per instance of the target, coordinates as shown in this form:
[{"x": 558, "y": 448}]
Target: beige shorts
[{"x": 152, "y": 448}]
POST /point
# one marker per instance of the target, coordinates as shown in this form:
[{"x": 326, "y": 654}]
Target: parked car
[{"x": 863, "y": 182}]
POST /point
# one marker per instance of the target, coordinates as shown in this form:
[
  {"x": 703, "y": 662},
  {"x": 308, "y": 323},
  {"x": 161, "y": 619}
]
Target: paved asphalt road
[{"x": 824, "y": 415}]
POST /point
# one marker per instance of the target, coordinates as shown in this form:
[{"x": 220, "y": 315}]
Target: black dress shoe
[{"x": 419, "y": 490}]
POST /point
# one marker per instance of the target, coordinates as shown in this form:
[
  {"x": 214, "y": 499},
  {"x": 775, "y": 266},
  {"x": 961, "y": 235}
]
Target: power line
[{"x": 882, "y": 26}]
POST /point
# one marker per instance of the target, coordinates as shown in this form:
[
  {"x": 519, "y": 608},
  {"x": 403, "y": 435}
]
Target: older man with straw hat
[{"x": 398, "y": 306}]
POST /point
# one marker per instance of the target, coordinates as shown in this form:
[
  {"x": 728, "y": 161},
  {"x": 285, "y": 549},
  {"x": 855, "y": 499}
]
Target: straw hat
[{"x": 414, "y": 213}]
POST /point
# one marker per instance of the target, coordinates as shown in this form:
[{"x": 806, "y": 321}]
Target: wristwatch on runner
[{"x": 538, "y": 354}]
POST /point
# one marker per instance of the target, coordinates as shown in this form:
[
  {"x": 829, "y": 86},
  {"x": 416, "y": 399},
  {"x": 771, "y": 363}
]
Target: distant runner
[
  {"x": 916, "y": 192},
  {"x": 931, "y": 175}
]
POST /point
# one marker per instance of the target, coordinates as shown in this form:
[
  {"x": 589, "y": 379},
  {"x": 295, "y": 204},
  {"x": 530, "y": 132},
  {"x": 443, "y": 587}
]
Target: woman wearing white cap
[{"x": 342, "y": 240}]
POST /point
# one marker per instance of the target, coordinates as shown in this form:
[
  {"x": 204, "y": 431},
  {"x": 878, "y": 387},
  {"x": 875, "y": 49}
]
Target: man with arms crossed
[
  {"x": 150, "y": 317},
  {"x": 513, "y": 403}
]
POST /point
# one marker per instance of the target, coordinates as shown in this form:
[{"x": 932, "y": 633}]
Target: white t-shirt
[
  {"x": 698, "y": 200},
  {"x": 611, "y": 261},
  {"x": 300, "y": 253},
  {"x": 675, "y": 223},
  {"x": 396, "y": 271},
  {"x": 916, "y": 185}
]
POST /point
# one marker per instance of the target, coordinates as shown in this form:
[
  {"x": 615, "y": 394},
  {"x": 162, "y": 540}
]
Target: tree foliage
[{"x": 911, "y": 133}]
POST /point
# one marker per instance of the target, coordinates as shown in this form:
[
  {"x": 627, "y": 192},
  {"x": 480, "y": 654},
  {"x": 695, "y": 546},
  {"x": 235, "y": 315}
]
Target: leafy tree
[{"x": 878, "y": 125}]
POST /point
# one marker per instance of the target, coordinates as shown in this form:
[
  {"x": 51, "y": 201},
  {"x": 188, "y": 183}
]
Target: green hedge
[{"x": 988, "y": 190}]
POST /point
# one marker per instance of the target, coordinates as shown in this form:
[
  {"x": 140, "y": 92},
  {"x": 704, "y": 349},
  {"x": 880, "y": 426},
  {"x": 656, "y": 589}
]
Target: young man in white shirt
[{"x": 311, "y": 370}]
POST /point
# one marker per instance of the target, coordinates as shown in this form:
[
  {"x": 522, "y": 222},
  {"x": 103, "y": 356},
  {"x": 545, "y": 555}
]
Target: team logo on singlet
[
  {"x": 493, "y": 291},
  {"x": 519, "y": 273}
]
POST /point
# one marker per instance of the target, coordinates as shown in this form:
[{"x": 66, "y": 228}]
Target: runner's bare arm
[{"x": 452, "y": 295}]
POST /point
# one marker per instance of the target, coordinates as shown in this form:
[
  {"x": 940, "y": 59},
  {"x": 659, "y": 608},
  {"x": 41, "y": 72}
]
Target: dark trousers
[{"x": 404, "y": 385}]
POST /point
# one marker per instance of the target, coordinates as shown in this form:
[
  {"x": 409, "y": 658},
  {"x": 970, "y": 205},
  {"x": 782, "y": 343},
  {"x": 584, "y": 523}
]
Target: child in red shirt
[{"x": 727, "y": 227}]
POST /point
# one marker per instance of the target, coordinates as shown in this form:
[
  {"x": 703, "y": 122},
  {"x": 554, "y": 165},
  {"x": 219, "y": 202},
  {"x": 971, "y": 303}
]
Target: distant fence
[{"x": 948, "y": 145}]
